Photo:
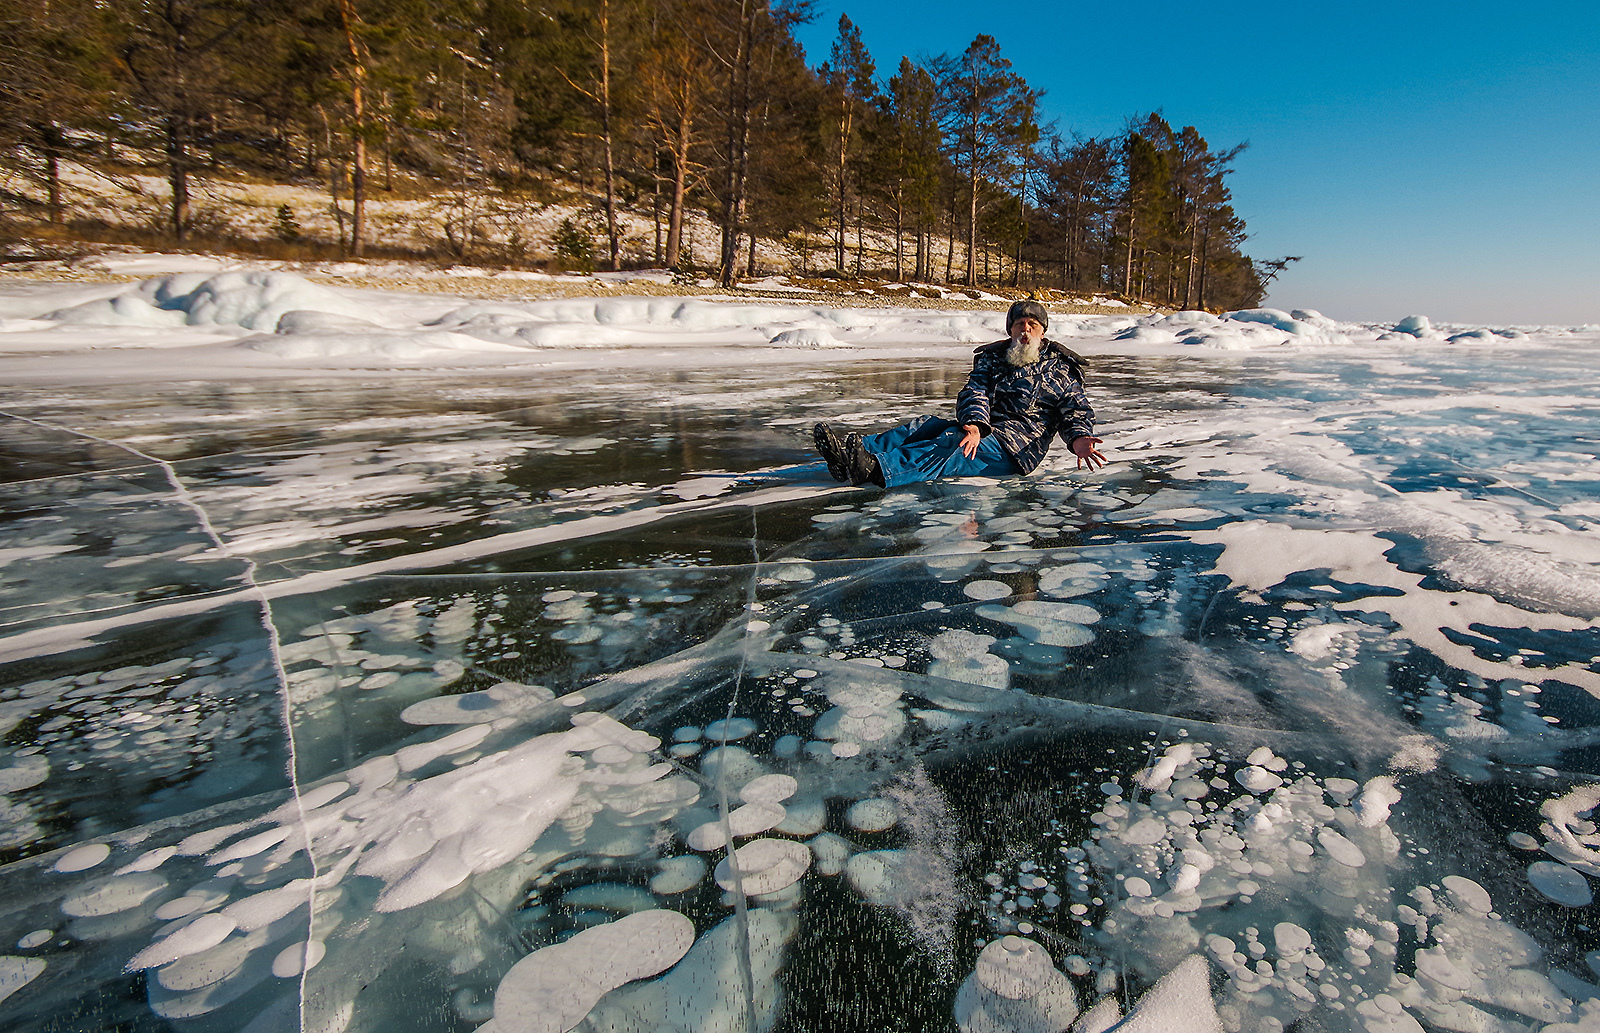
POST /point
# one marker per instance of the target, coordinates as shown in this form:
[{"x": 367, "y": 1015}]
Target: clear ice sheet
[{"x": 1286, "y": 720}]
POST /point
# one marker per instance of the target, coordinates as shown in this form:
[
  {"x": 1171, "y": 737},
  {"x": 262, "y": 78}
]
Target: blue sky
[{"x": 1441, "y": 159}]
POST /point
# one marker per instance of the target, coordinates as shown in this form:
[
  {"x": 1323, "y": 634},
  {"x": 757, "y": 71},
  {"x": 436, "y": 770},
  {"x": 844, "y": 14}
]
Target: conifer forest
[{"x": 634, "y": 120}]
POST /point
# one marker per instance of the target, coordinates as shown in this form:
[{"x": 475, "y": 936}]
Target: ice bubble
[
  {"x": 1560, "y": 883},
  {"x": 831, "y": 852},
  {"x": 1341, "y": 849},
  {"x": 608, "y": 896},
  {"x": 1015, "y": 988},
  {"x": 1257, "y": 779},
  {"x": 845, "y": 750},
  {"x": 199, "y": 898},
  {"x": 148, "y": 861},
  {"x": 37, "y": 938},
  {"x": 1377, "y": 797},
  {"x": 872, "y": 873},
  {"x": 1522, "y": 841},
  {"x": 201, "y": 934},
  {"x": 1047, "y": 623},
  {"x": 552, "y": 989},
  {"x": 1290, "y": 939},
  {"x": 507, "y": 699},
  {"x": 677, "y": 874},
  {"x": 1342, "y": 789},
  {"x": 1434, "y": 967},
  {"x": 872, "y": 815},
  {"x": 1159, "y": 775},
  {"x": 25, "y": 772},
  {"x": 1145, "y": 832},
  {"x": 742, "y": 821},
  {"x": 1467, "y": 895},
  {"x": 205, "y": 968},
  {"x": 114, "y": 895},
  {"x": 16, "y": 973},
  {"x": 805, "y": 818},
  {"x": 958, "y": 644},
  {"x": 1137, "y": 887},
  {"x": 769, "y": 789},
  {"x": 731, "y": 764},
  {"x": 730, "y": 728},
  {"x": 1384, "y": 1014},
  {"x": 81, "y": 859},
  {"x": 763, "y": 866},
  {"x": 297, "y": 958},
  {"x": 1183, "y": 878},
  {"x": 986, "y": 590},
  {"x": 1014, "y": 967}
]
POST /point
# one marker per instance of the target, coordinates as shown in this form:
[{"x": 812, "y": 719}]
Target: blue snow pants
[{"x": 929, "y": 447}]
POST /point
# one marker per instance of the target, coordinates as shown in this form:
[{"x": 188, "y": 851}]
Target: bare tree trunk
[
  {"x": 178, "y": 176},
  {"x": 972, "y": 218},
  {"x": 899, "y": 237},
  {"x": 846, "y": 124},
  {"x": 358, "y": 135},
  {"x": 682, "y": 133},
  {"x": 738, "y": 142},
  {"x": 50, "y": 133},
  {"x": 605, "y": 131},
  {"x": 333, "y": 176},
  {"x": 655, "y": 205},
  {"x": 950, "y": 242}
]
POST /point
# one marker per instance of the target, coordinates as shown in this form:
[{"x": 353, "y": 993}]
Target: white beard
[{"x": 1023, "y": 352}]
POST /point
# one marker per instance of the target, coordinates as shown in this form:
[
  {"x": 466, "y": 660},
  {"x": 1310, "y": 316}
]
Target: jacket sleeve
[
  {"x": 972, "y": 404},
  {"x": 1074, "y": 414}
]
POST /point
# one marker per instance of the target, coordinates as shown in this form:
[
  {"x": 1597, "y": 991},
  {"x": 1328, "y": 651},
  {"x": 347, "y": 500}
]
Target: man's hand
[
  {"x": 1085, "y": 448},
  {"x": 972, "y": 434}
]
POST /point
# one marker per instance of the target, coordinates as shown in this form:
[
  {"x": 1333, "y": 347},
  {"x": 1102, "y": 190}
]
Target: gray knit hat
[{"x": 1024, "y": 309}]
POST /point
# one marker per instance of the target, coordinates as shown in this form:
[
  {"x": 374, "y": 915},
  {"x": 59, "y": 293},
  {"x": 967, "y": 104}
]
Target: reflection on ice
[{"x": 1281, "y": 723}]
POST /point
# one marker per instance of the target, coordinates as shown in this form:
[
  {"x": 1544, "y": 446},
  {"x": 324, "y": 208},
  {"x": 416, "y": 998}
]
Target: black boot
[
  {"x": 860, "y": 464},
  {"x": 832, "y": 449}
]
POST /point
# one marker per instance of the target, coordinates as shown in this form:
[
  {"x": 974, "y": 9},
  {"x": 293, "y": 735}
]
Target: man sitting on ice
[{"x": 1021, "y": 392}]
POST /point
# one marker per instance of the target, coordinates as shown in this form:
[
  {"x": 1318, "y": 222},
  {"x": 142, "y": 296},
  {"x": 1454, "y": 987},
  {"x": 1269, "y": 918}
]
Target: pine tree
[{"x": 989, "y": 123}]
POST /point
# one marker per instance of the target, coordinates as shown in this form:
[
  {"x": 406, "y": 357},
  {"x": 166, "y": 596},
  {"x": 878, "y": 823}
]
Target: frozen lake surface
[{"x": 422, "y": 697}]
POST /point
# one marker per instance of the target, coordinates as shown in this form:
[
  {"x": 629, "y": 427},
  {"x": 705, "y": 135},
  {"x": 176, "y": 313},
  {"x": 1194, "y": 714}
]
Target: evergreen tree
[
  {"x": 989, "y": 123},
  {"x": 850, "y": 89}
]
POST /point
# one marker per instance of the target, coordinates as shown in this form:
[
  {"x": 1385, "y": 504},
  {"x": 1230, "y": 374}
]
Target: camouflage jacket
[{"x": 1024, "y": 407}]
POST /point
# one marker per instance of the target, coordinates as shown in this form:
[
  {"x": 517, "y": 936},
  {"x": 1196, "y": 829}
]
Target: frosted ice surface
[{"x": 1173, "y": 709}]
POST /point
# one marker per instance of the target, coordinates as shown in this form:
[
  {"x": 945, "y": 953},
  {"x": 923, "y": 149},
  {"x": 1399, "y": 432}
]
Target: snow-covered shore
[{"x": 212, "y": 321}]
